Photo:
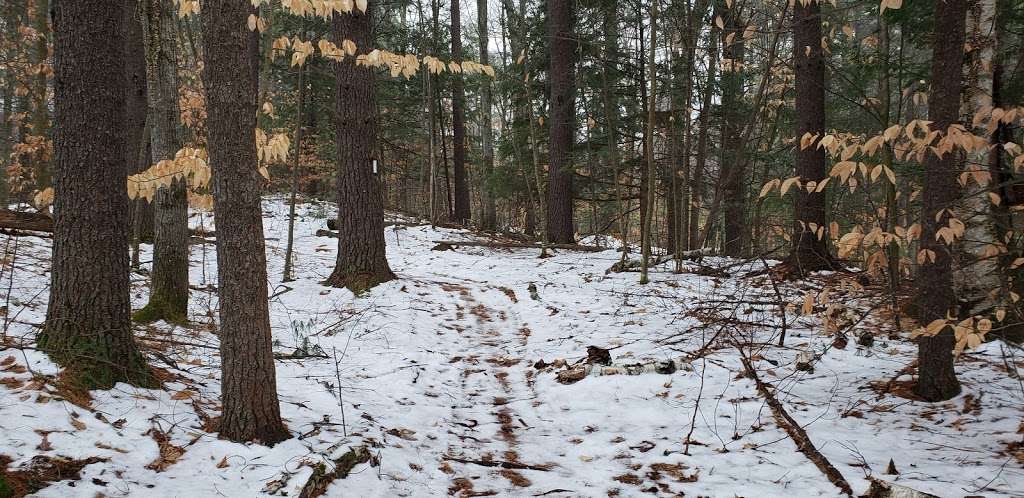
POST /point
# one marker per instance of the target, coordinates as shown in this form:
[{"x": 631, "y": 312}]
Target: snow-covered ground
[{"x": 437, "y": 376}]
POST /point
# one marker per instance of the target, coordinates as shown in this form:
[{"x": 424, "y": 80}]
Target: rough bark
[
  {"x": 361, "y": 263},
  {"x": 810, "y": 240},
  {"x": 88, "y": 326},
  {"x": 562, "y": 77},
  {"x": 168, "y": 297},
  {"x": 248, "y": 383},
  {"x": 488, "y": 216},
  {"x": 936, "y": 377},
  {"x": 732, "y": 170},
  {"x": 140, "y": 211},
  {"x": 463, "y": 213}
]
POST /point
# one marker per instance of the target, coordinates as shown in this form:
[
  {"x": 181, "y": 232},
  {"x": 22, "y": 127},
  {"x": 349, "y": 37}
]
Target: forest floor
[{"x": 438, "y": 377}]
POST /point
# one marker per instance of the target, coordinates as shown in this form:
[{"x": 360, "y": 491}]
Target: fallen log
[
  {"x": 501, "y": 463},
  {"x": 18, "y": 220},
  {"x": 631, "y": 265},
  {"x": 795, "y": 432},
  {"x": 445, "y": 245},
  {"x": 343, "y": 465},
  {"x": 332, "y": 223},
  {"x": 884, "y": 489}
]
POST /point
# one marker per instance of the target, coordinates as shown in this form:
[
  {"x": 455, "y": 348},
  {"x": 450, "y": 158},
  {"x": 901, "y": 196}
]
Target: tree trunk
[
  {"x": 699, "y": 237},
  {"x": 936, "y": 378},
  {"x": 463, "y": 213},
  {"x": 488, "y": 218},
  {"x": 976, "y": 274},
  {"x": 810, "y": 238},
  {"x": 732, "y": 168},
  {"x": 248, "y": 382},
  {"x": 168, "y": 298},
  {"x": 289, "y": 248},
  {"x": 88, "y": 325},
  {"x": 562, "y": 77},
  {"x": 140, "y": 212},
  {"x": 361, "y": 262},
  {"x": 651, "y": 182}
]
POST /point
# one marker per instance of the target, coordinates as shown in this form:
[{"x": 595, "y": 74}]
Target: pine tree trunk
[
  {"x": 361, "y": 263},
  {"x": 463, "y": 213},
  {"x": 488, "y": 219},
  {"x": 88, "y": 325},
  {"x": 168, "y": 298},
  {"x": 732, "y": 170},
  {"x": 562, "y": 76},
  {"x": 810, "y": 249},
  {"x": 248, "y": 381},
  {"x": 936, "y": 377},
  {"x": 140, "y": 212}
]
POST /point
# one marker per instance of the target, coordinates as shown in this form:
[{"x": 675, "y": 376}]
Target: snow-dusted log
[
  {"x": 16, "y": 220},
  {"x": 577, "y": 373},
  {"x": 343, "y": 465},
  {"x": 883, "y": 489},
  {"x": 451, "y": 244}
]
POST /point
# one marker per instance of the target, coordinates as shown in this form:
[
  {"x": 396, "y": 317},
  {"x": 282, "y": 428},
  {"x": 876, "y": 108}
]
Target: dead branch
[
  {"x": 500, "y": 463},
  {"x": 796, "y": 433}
]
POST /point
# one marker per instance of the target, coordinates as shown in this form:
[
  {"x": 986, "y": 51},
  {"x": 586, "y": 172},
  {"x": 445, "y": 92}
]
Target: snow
[{"x": 439, "y": 364}]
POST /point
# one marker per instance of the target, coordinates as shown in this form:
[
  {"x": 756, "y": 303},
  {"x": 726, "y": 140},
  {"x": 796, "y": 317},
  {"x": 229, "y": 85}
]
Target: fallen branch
[
  {"x": 500, "y": 463},
  {"x": 447, "y": 245},
  {"x": 796, "y": 433},
  {"x": 343, "y": 465},
  {"x": 19, "y": 220}
]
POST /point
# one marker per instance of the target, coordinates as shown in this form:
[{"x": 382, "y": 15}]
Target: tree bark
[
  {"x": 732, "y": 169},
  {"x": 977, "y": 275},
  {"x": 488, "y": 218},
  {"x": 651, "y": 179},
  {"x": 88, "y": 325},
  {"x": 936, "y": 377},
  {"x": 810, "y": 227},
  {"x": 168, "y": 298},
  {"x": 362, "y": 263},
  {"x": 140, "y": 212},
  {"x": 562, "y": 77},
  {"x": 463, "y": 213},
  {"x": 699, "y": 237},
  {"x": 289, "y": 248},
  {"x": 248, "y": 382}
]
